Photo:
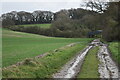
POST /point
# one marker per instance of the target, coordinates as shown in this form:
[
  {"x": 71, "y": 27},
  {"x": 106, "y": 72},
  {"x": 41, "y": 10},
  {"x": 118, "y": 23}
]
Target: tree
[
  {"x": 7, "y": 23},
  {"x": 111, "y": 22},
  {"x": 62, "y": 21},
  {"x": 96, "y": 5}
]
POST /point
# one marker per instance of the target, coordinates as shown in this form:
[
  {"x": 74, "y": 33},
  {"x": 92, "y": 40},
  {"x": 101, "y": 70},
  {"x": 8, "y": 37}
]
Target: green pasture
[
  {"x": 17, "y": 46},
  {"x": 43, "y": 67},
  {"x": 38, "y": 25}
]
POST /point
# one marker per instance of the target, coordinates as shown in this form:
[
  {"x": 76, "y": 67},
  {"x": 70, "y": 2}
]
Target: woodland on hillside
[{"x": 70, "y": 23}]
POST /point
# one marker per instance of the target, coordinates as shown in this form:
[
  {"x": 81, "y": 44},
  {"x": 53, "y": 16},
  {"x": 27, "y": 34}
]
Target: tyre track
[
  {"x": 107, "y": 67},
  {"x": 72, "y": 68}
]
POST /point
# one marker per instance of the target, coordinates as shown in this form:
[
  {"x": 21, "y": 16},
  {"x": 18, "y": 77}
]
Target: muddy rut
[{"x": 107, "y": 67}]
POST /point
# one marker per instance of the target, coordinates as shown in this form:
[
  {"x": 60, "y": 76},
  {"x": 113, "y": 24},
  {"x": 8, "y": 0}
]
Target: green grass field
[
  {"x": 43, "y": 67},
  {"x": 38, "y": 25},
  {"x": 90, "y": 66},
  {"x": 18, "y": 46},
  {"x": 114, "y": 48}
]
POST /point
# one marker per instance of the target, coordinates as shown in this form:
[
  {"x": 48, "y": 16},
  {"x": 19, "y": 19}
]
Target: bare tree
[{"x": 96, "y": 5}]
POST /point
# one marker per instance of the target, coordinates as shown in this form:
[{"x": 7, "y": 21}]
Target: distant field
[
  {"x": 18, "y": 46},
  {"x": 114, "y": 48},
  {"x": 38, "y": 25}
]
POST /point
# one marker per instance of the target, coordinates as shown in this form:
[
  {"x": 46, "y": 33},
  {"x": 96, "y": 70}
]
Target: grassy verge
[
  {"x": 17, "y": 46},
  {"x": 114, "y": 48},
  {"x": 90, "y": 66},
  {"x": 38, "y": 25},
  {"x": 43, "y": 67}
]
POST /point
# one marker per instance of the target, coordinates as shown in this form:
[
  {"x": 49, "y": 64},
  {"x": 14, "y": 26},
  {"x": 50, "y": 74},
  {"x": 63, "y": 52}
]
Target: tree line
[
  {"x": 75, "y": 22},
  {"x": 23, "y": 17}
]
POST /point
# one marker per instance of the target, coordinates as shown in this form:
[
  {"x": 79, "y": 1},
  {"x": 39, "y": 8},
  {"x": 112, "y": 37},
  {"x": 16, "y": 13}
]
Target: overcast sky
[
  {"x": 32, "y": 5},
  {"x": 45, "y": 5}
]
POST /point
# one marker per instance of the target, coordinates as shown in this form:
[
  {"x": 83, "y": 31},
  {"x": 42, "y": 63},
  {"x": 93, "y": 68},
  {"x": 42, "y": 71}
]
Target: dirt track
[{"x": 107, "y": 67}]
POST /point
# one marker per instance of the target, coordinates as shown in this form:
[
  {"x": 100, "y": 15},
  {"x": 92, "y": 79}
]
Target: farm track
[{"x": 107, "y": 67}]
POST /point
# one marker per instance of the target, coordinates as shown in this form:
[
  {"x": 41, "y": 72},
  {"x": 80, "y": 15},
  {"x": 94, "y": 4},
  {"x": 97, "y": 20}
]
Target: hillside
[{"x": 18, "y": 46}]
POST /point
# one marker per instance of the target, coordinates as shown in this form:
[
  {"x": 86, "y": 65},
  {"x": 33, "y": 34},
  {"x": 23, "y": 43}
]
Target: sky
[
  {"x": 32, "y": 5},
  {"x": 45, "y": 5}
]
